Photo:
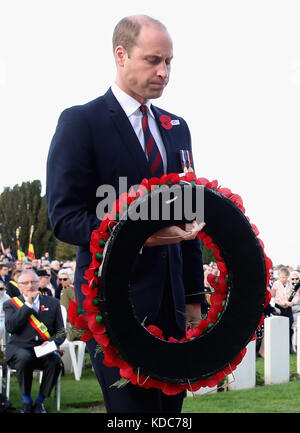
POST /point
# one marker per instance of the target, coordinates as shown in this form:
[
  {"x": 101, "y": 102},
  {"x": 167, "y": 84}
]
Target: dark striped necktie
[{"x": 154, "y": 156}]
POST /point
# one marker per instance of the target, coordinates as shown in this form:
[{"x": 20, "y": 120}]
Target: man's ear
[{"x": 120, "y": 55}]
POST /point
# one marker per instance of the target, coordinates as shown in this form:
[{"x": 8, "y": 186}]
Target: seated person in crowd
[
  {"x": 12, "y": 286},
  {"x": 66, "y": 278},
  {"x": 54, "y": 269},
  {"x": 44, "y": 283},
  {"x": 33, "y": 320},
  {"x": 4, "y": 272},
  {"x": 281, "y": 291}
]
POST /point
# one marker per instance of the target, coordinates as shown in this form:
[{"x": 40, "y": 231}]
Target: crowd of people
[
  {"x": 32, "y": 294},
  {"x": 56, "y": 279},
  {"x": 284, "y": 298}
]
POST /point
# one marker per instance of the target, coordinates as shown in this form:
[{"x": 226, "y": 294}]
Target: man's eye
[{"x": 153, "y": 60}]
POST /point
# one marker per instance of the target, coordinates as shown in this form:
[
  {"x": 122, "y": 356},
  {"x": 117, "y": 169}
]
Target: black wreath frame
[{"x": 208, "y": 354}]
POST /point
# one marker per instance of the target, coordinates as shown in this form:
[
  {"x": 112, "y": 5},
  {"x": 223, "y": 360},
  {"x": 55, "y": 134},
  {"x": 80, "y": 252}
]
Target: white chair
[
  {"x": 77, "y": 360},
  {"x": 3, "y": 341},
  {"x": 57, "y": 386}
]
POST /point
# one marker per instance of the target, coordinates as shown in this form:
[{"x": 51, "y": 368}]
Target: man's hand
[
  {"x": 193, "y": 315},
  {"x": 31, "y": 296},
  {"x": 174, "y": 234}
]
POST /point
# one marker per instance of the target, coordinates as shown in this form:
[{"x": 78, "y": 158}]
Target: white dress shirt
[
  {"x": 132, "y": 110},
  {"x": 35, "y": 305}
]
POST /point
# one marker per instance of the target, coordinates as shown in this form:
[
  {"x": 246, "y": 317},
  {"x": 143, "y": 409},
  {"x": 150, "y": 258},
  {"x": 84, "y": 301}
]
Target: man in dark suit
[
  {"x": 4, "y": 273},
  {"x": 33, "y": 320},
  {"x": 97, "y": 143}
]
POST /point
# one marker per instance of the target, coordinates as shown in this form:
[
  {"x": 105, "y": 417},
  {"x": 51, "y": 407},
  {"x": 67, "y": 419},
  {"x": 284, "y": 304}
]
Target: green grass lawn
[{"x": 85, "y": 396}]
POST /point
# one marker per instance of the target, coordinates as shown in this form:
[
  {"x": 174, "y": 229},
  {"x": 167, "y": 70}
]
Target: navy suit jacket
[
  {"x": 22, "y": 333},
  {"x": 95, "y": 144}
]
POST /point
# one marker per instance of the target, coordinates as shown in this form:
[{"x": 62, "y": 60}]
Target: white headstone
[
  {"x": 244, "y": 376},
  {"x": 277, "y": 350}
]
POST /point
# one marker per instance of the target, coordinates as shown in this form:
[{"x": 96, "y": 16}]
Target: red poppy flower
[
  {"x": 193, "y": 333},
  {"x": 222, "y": 267},
  {"x": 165, "y": 121},
  {"x": 202, "y": 181},
  {"x": 89, "y": 305},
  {"x": 212, "y": 184},
  {"x": 92, "y": 273},
  {"x": 95, "y": 238},
  {"x": 236, "y": 199},
  {"x": 126, "y": 372},
  {"x": 225, "y": 191},
  {"x": 86, "y": 336},
  {"x": 142, "y": 190},
  {"x": 154, "y": 330},
  {"x": 190, "y": 176},
  {"x": 72, "y": 311},
  {"x": 171, "y": 388},
  {"x": 256, "y": 232}
]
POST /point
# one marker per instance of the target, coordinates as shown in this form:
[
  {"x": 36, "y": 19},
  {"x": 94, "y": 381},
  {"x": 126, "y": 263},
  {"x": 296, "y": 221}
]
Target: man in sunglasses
[{"x": 44, "y": 283}]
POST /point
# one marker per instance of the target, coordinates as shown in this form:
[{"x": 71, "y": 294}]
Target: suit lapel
[
  {"x": 44, "y": 308},
  {"x": 166, "y": 138},
  {"x": 127, "y": 134}
]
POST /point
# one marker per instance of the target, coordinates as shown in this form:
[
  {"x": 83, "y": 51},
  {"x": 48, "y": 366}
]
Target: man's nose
[{"x": 163, "y": 70}]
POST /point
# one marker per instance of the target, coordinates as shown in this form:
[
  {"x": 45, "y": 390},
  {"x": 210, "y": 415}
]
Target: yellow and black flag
[{"x": 20, "y": 254}]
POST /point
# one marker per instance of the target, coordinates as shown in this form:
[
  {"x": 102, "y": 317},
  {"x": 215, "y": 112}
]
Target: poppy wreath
[{"x": 217, "y": 344}]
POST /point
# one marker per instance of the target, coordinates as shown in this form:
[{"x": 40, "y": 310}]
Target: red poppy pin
[{"x": 165, "y": 121}]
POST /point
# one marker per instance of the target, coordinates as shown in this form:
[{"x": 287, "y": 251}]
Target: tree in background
[
  {"x": 21, "y": 207},
  {"x": 65, "y": 251}
]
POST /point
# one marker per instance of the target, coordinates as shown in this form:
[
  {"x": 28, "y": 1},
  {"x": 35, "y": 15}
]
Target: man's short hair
[
  {"x": 128, "y": 29},
  {"x": 67, "y": 271},
  {"x": 285, "y": 271},
  {"x": 15, "y": 271},
  {"x": 27, "y": 271}
]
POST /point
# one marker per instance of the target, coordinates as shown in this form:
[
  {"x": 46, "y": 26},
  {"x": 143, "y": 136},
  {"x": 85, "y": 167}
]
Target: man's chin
[{"x": 154, "y": 94}]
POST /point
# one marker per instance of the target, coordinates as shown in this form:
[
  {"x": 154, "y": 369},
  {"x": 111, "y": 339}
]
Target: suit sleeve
[
  {"x": 15, "y": 318},
  {"x": 70, "y": 187},
  {"x": 193, "y": 274}
]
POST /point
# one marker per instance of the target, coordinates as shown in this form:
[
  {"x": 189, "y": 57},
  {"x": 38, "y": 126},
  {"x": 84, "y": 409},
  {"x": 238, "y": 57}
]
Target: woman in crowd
[
  {"x": 281, "y": 291},
  {"x": 66, "y": 279}
]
